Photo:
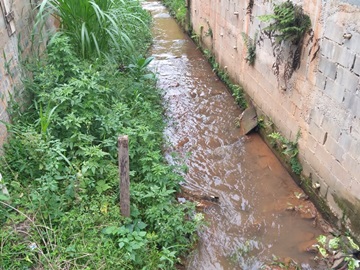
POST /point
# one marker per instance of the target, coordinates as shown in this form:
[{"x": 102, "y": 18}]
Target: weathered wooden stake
[{"x": 123, "y": 147}]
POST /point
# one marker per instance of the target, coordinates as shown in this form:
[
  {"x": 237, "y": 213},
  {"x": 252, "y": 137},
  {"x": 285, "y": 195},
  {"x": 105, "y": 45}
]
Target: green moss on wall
[{"x": 351, "y": 212}]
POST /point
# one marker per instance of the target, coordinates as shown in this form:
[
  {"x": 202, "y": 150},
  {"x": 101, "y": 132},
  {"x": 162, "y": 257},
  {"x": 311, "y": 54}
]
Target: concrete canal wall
[{"x": 321, "y": 99}]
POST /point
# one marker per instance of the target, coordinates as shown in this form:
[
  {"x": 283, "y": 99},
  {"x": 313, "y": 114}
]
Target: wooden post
[{"x": 123, "y": 157}]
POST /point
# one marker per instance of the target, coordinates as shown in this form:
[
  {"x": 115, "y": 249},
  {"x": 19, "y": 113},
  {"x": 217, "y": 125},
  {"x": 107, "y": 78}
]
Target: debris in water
[
  {"x": 301, "y": 196},
  {"x": 316, "y": 185}
]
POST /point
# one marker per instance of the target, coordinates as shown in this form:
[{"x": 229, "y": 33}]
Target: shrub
[{"x": 60, "y": 168}]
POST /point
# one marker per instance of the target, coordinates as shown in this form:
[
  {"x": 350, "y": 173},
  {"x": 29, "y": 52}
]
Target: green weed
[
  {"x": 251, "y": 48},
  {"x": 98, "y": 28},
  {"x": 287, "y": 23},
  {"x": 343, "y": 245},
  {"x": 236, "y": 90},
  {"x": 289, "y": 149},
  {"x": 177, "y": 9},
  {"x": 60, "y": 169},
  {"x": 287, "y": 26}
]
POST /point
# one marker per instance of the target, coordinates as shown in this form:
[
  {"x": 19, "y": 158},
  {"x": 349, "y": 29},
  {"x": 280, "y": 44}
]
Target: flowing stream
[{"x": 251, "y": 220}]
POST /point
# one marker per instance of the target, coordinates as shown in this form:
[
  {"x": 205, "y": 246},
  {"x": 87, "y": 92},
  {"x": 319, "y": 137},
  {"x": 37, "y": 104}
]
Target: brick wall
[
  {"x": 13, "y": 49},
  {"x": 322, "y": 97},
  {"x": 334, "y": 122},
  {"x": 10, "y": 56}
]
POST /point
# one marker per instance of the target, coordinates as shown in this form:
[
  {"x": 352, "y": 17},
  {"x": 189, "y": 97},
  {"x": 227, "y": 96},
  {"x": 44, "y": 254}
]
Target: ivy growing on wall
[{"x": 287, "y": 27}]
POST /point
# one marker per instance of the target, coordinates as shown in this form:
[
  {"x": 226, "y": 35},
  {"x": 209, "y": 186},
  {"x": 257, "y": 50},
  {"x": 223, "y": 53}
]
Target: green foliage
[
  {"x": 296, "y": 165},
  {"x": 177, "y": 9},
  {"x": 60, "y": 169},
  {"x": 288, "y": 23},
  {"x": 139, "y": 66},
  {"x": 251, "y": 48},
  {"x": 45, "y": 118},
  {"x": 289, "y": 149},
  {"x": 279, "y": 263},
  {"x": 97, "y": 27},
  {"x": 196, "y": 38},
  {"x": 236, "y": 90},
  {"x": 129, "y": 239},
  {"x": 7, "y": 64},
  {"x": 329, "y": 245},
  {"x": 209, "y": 32}
]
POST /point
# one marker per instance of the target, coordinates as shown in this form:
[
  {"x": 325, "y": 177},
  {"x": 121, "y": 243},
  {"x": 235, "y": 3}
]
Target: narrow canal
[{"x": 251, "y": 220}]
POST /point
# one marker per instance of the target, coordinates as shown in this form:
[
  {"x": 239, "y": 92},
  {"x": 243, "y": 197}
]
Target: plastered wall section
[
  {"x": 322, "y": 97},
  {"x": 12, "y": 49}
]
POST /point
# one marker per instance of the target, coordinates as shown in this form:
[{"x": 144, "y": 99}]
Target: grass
[
  {"x": 177, "y": 9},
  {"x": 97, "y": 28},
  {"x": 60, "y": 163}
]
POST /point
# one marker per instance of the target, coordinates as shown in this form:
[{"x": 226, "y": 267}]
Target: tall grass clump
[{"x": 96, "y": 27}]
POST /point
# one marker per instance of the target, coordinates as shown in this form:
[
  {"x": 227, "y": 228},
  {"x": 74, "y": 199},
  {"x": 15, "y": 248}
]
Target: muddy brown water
[{"x": 250, "y": 223}]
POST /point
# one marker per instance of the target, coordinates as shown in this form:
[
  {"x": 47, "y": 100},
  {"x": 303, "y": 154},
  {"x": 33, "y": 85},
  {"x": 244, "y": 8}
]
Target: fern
[{"x": 288, "y": 22}]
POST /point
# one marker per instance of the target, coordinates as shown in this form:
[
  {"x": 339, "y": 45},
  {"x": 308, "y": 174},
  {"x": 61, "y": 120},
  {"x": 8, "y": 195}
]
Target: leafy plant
[
  {"x": 128, "y": 239},
  {"x": 7, "y": 64},
  {"x": 236, "y": 90},
  {"x": 91, "y": 25},
  {"x": 287, "y": 23},
  {"x": 96, "y": 27},
  {"x": 289, "y": 149},
  {"x": 251, "y": 48},
  {"x": 344, "y": 245},
  {"x": 60, "y": 166},
  {"x": 177, "y": 9},
  {"x": 238, "y": 94},
  {"x": 45, "y": 118},
  {"x": 138, "y": 67},
  {"x": 209, "y": 33}
]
